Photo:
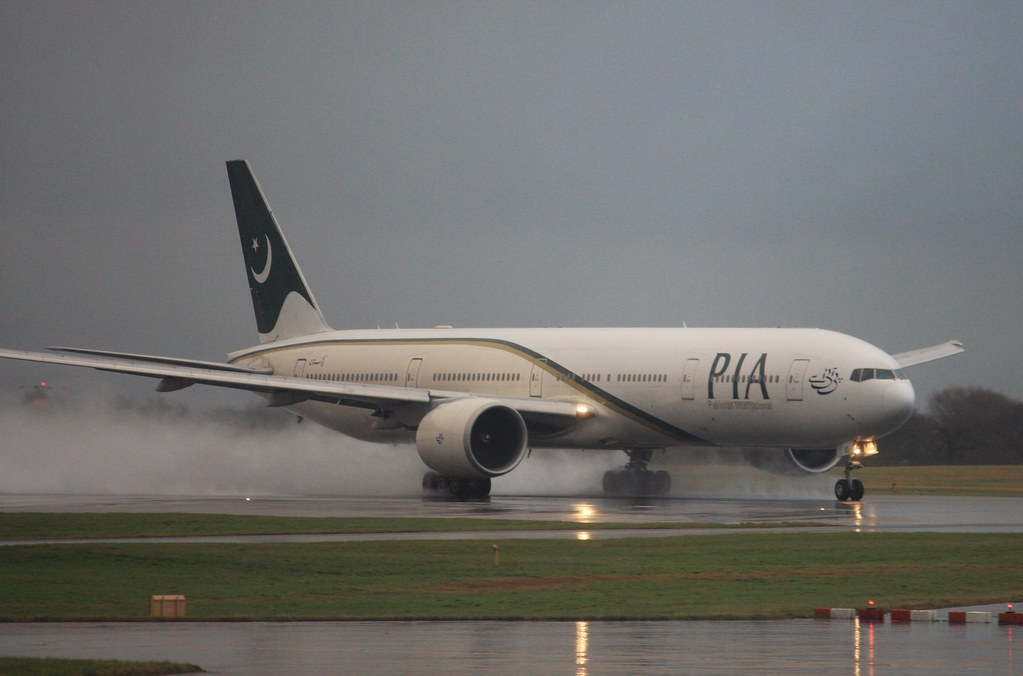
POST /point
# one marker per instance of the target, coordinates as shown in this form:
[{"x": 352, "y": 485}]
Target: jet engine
[
  {"x": 794, "y": 461},
  {"x": 815, "y": 460},
  {"x": 472, "y": 439}
]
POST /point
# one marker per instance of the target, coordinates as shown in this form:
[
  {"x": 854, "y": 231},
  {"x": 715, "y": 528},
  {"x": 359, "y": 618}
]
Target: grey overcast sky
[{"x": 850, "y": 165}]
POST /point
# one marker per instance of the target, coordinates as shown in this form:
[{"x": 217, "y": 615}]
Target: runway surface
[
  {"x": 881, "y": 513},
  {"x": 583, "y": 648}
]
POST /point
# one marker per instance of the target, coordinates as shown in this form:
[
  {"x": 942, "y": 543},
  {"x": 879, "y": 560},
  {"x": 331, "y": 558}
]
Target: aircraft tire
[
  {"x": 660, "y": 483},
  {"x": 842, "y": 490},
  {"x": 478, "y": 488},
  {"x": 610, "y": 482},
  {"x": 856, "y": 490},
  {"x": 631, "y": 483}
]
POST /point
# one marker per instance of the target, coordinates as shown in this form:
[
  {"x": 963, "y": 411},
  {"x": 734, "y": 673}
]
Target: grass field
[
  {"x": 27, "y": 666},
  {"x": 742, "y": 575},
  {"x": 982, "y": 480}
]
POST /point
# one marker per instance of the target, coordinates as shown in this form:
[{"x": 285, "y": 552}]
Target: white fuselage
[{"x": 648, "y": 388}]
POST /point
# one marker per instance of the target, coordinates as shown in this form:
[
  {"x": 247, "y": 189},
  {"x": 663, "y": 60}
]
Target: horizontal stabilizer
[{"x": 926, "y": 354}]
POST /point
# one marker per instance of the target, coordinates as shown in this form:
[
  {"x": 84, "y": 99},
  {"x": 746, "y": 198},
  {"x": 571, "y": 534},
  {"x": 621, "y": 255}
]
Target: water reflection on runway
[
  {"x": 880, "y": 513},
  {"x": 583, "y": 648}
]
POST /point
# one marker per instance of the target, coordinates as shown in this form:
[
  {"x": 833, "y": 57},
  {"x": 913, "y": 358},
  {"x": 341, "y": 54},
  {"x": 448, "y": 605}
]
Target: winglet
[
  {"x": 284, "y": 305},
  {"x": 926, "y": 354}
]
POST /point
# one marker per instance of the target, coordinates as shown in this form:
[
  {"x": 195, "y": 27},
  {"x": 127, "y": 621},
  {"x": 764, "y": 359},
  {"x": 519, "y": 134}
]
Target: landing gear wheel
[
  {"x": 456, "y": 487},
  {"x": 635, "y": 482},
  {"x": 610, "y": 482},
  {"x": 660, "y": 483},
  {"x": 856, "y": 490},
  {"x": 842, "y": 490},
  {"x": 433, "y": 482}
]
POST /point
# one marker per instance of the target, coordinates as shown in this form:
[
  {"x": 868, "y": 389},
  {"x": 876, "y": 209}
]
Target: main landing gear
[
  {"x": 849, "y": 489},
  {"x": 635, "y": 479},
  {"x": 455, "y": 487}
]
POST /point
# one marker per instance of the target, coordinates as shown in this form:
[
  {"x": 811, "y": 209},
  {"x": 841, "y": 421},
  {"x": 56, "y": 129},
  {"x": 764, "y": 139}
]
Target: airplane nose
[{"x": 898, "y": 401}]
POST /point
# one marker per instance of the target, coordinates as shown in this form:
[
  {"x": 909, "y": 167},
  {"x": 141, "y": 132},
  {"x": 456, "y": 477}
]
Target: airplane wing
[
  {"x": 176, "y": 374},
  {"x": 926, "y": 354}
]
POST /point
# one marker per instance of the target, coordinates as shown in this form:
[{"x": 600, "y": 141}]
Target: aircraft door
[
  {"x": 536, "y": 379},
  {"x": 412, "y": 373},
  {"x": 794, "y": 386},
  {"x": 689, "y": 379}
]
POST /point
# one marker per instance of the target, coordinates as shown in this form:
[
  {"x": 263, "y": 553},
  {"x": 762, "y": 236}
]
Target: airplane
[{"x": 475, "y": 402}]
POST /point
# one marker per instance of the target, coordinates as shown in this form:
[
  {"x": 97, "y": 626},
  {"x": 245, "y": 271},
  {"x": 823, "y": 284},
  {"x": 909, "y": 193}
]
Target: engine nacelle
[
  {"x": 793, "y": 461},
  {"x": 814, "y": 460},
  {"x": 472, "y": 439}
]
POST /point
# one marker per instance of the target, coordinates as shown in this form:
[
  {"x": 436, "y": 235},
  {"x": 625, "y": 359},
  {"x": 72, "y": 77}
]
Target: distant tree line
[{"x": 965, "y": 426}]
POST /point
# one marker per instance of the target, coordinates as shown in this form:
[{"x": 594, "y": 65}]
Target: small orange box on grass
[{"x": 167, "y": 605}]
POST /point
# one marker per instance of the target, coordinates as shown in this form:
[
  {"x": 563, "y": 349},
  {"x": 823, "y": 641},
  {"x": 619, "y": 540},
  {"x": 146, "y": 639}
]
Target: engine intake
[
  {"x": 815, "y": 460},
  {"x": 472, "y": 438},
  {"x": 793, "y": 461}
]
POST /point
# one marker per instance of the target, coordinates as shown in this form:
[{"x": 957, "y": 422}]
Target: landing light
[
  {"x": 583, "y": 411},
  {"x": 864, "y": 448}
]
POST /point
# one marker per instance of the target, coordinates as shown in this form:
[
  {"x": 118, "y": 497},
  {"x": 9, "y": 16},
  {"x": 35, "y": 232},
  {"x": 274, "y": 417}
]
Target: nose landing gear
[{"x": 849, "y": 489}]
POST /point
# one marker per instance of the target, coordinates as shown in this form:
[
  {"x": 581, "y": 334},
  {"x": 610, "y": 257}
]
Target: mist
[
  {"x": 115, "y": 445},
  {"x": 111, "y": 449}
]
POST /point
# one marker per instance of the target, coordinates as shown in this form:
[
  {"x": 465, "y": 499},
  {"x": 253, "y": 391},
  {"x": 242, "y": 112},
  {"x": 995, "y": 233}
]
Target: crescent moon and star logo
[
  {"x": 262, "y": 275},
  {"x": 826, "y": 383}
]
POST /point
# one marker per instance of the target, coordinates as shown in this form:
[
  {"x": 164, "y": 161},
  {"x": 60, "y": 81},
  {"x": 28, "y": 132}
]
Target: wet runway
[
  {"x": 552, "y": 647},
  {"x": 880, "y": 513},
  {"x": 582, "y": 648}
]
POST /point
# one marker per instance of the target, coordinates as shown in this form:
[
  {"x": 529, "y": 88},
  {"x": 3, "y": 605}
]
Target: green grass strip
[
  {"x": 961, "y": 480},
  {"x": 29, "y": 666},
  {"x": 758, "y": 575}
]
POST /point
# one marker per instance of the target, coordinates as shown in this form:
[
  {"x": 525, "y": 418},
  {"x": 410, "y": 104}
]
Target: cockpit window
[{"x": 861, "y": 375}]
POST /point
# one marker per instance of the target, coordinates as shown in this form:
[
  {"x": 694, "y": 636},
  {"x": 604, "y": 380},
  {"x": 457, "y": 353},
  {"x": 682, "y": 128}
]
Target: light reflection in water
[
  {"x": 584, "y": 512},
  {"x": 582, "y": 640},
  {"x": 858, "y": 647},
  {"x": 864, "y": 514},
  {"x": 857, "y": 510}
]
